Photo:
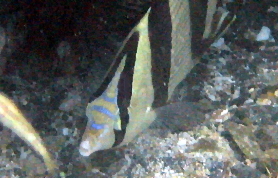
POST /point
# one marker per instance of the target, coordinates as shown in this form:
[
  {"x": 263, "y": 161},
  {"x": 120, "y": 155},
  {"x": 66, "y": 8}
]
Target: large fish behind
[
  {"x": 12, "y": 118},
  {"x": 155, "y": 57}
]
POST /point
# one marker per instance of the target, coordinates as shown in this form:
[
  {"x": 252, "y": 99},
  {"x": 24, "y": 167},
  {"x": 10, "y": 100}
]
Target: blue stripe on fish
[
  {"x": 104, "y": 111},
  {"x": 97, "y": 126},
  {"x": 108, "y": 99}
]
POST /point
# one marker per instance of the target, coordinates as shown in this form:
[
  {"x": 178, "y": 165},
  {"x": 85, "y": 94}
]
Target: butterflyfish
[
  {"x": 12, "y": 118},
  {"x": 155, "y": 57}
]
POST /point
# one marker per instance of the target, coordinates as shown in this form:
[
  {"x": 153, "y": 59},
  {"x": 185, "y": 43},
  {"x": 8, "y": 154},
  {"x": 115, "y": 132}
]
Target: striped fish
[
  {"x": 12, "y": 118},
  {"x": 155, "y": 57},
  {"x": 105, "y": 108}
]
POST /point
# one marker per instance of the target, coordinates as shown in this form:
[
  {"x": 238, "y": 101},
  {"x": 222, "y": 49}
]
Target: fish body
[
  {"x": 103, "y": 112},
  {"x": 105, "y": 109},
  {"x": 12, "y": 118},
  {"x": 155, "y": 57}
]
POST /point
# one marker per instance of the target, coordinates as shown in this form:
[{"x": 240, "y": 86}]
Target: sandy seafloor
[{"x": 235, "y": 133}]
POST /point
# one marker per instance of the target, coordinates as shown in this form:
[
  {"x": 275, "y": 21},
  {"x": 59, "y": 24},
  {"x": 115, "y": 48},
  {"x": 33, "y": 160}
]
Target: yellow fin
[
  {"x": 12, "y": 118},
  {"x": 117, "y": 124}
]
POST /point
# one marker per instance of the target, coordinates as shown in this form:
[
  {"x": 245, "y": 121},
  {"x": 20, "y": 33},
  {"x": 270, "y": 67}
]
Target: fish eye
[{"x": 96, "y": 126}]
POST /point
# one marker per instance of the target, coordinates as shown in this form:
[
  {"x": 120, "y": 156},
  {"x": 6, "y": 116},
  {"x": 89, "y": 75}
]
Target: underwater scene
[{"x": 133, "y": 88}]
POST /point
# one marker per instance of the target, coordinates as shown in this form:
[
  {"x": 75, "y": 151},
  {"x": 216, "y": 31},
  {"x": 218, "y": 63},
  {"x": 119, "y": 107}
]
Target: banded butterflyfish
[{"x": 155, "y": 57}]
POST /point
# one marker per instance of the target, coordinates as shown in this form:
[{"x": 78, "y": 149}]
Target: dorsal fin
[{"x": 115, "y": 64}]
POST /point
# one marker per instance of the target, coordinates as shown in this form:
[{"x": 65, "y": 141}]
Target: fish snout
[
  {"x": 85, "y": 148},
  {"x": 98, "y": 140}
]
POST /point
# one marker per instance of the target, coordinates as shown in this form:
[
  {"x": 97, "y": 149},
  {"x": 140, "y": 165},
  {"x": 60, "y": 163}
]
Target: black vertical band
[
  {"x": 198, "y": 12},
  {"x": 125, "y": 86},
  {"x": 160, "y": 28}
]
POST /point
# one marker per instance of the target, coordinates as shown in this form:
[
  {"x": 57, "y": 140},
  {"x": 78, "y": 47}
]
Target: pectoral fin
[{"x": 180, "y": 116}]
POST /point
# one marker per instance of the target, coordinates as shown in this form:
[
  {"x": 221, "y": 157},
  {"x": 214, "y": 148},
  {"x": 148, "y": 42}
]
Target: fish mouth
[{"x": 84, "y": 149}]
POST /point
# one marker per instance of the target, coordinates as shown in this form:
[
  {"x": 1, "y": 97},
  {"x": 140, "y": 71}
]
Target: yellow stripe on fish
[
  {"x": 155, "y": 57},
  {"x": 12, "y": 118}
]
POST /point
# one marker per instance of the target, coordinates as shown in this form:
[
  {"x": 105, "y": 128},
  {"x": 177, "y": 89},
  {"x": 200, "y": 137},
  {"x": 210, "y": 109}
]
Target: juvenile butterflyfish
[{"x": 155, "y": 57}]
